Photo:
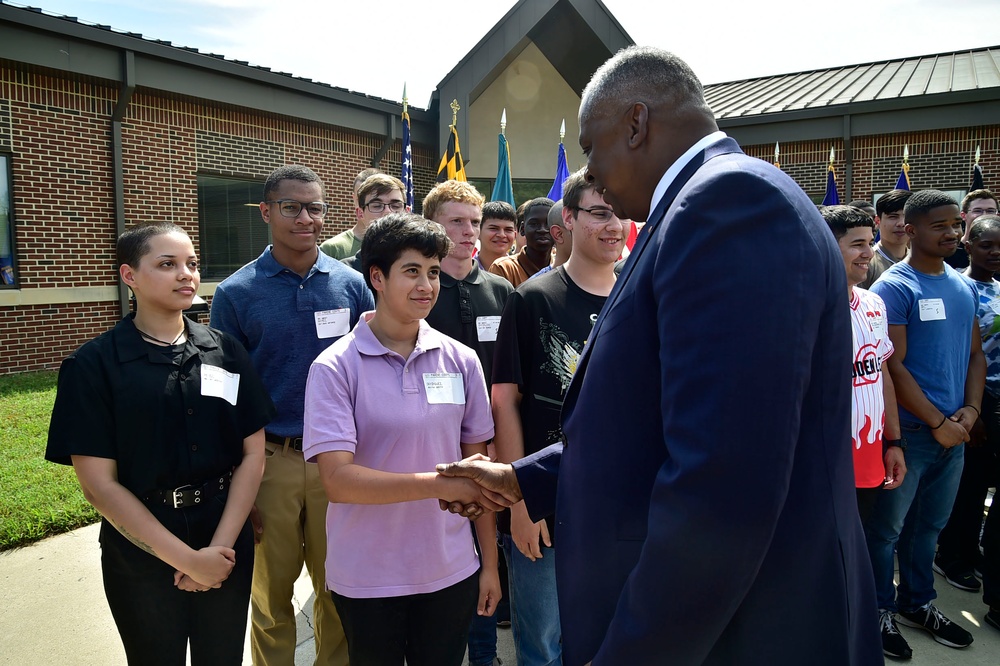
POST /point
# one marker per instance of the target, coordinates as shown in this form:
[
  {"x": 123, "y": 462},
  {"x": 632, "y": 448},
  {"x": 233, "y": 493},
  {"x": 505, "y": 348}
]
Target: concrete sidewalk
[{"x": 53, "y": 611}]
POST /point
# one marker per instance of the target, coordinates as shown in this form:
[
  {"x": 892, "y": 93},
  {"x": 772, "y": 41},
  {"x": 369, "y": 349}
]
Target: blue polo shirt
[
  {"x": 285, "y": 320},
  {"x": 938, "y": 312}
]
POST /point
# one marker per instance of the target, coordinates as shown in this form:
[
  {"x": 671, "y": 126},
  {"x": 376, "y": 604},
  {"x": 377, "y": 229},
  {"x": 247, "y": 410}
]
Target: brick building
[{"x": 100, "y": 128}]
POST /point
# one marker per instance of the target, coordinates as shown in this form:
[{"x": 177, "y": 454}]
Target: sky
[{"x": 377, "y": 47}]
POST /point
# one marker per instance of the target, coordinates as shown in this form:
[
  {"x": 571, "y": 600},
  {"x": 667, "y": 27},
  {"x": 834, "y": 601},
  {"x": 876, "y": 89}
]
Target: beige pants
[{"x": 292, "y": 506}]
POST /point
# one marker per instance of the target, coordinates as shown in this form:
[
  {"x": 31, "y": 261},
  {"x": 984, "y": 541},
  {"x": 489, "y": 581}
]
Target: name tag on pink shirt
[{"x": 444, "y": 388}]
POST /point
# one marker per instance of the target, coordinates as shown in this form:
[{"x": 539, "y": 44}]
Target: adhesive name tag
[
  {"x": 218, "y": 383},
  {"x": 444, "y": 388},
  {"x": 877, "y": 321},
  {"x": 333, "y": 323},
  {"x": 931, "y": 309},
  {"x": 487, "y": 327},
  {"x": 994, "y": 305}
]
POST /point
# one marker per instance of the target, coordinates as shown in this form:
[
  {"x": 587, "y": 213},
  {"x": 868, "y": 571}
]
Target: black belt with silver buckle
[
  {"x": 192, "y": 494},
  {"x": 294, "y": 443}
]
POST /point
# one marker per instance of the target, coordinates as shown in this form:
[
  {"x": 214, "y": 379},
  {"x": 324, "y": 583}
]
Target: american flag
[{"x": 407, "y": 173}]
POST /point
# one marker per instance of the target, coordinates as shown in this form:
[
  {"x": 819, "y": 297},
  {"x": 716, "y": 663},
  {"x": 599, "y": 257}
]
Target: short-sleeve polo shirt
[{"x": 363, "y": 398}]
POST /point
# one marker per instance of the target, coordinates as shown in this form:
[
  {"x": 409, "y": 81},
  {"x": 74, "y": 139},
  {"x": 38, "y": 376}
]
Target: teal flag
[{"x": 503, "y": 189}]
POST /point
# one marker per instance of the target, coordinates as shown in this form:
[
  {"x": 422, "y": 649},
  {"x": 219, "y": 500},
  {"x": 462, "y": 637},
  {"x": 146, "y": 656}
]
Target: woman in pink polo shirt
[{"x": 384, "y": 404}]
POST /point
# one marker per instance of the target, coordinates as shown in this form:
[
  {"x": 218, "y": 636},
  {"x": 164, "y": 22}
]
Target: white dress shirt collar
[{"x": 681, "y": 162}]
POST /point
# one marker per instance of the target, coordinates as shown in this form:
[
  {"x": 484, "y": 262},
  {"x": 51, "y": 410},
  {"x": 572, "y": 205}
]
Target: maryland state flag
[{"x": 452, "y": 167}]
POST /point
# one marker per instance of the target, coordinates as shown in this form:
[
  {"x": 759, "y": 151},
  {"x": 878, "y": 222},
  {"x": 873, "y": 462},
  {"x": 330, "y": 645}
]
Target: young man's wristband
[
  {"x": 940, "y": 424},
  {"x": 888, "y": 443},
  {"x": 978, "y": 413}
]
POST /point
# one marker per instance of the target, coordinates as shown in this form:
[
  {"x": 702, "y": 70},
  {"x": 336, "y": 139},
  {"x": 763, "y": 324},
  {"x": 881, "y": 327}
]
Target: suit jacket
[{"x": 715, "y": 521}]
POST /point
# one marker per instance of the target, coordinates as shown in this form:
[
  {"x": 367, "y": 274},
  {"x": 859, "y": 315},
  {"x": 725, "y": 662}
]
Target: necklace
[{"x": 162, "y": 342}]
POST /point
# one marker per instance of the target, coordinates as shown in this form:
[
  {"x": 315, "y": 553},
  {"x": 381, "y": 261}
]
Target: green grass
[{"x": 37, "y": 498}]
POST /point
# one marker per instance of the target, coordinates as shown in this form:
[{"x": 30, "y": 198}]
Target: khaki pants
[{"x": 292, "y": 507}]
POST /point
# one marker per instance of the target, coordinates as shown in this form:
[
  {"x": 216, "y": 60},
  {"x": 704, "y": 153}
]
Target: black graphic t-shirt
[{"x": 545, "y": 324}]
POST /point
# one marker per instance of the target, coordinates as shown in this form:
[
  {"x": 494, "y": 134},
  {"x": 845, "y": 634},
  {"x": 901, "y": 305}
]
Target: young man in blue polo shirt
[
  {"x": 938, "y": 370},
  {"x": 287, "y": 306}
]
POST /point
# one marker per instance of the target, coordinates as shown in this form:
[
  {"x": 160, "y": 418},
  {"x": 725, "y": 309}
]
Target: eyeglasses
[
  {"x": 983, "y": 211},
  {"x": 291, "y": 208},
  {"x": 599, "y": 213},
  {"x": 376, "y": 206}
]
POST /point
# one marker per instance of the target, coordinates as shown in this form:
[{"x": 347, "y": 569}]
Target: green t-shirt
[{"x": 341, "y": 246}]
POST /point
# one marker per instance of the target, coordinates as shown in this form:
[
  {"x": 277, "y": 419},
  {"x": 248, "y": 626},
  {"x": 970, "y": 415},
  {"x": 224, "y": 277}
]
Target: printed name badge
[
  {"x": 218, "y": 383},
  {"x": 877, "y": 320},
  {"x": 487, "y": 327},
  {"x": 931, "y": 309},
  {"x": 444, "y": 388},
  {"x": 994, "y": 305},
  {"x": 333, "y": 323}
]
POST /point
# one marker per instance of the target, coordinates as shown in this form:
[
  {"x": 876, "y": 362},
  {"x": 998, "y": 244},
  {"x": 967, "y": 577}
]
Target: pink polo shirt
[{"x": 396, "y": 415}]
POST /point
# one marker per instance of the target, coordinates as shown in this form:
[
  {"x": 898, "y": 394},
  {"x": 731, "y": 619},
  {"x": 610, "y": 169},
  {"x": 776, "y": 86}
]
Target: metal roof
[{"x": 959, "y": 71}]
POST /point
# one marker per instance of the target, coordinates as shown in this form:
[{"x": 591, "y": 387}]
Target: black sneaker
[
  {"x": 893, "y": 643},
  {"x": 993, "y": 617},
  {"x": 958, "y": 576},
  {"x": 944, "y": 631}
]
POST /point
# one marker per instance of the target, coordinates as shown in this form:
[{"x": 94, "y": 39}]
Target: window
[
  {"x": 232, "y": 231},
  {"x": 6, "y": 225}
]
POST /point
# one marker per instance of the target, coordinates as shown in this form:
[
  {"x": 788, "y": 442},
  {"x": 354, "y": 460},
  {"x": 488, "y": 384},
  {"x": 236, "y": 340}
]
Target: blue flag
[
  {"x": 831, "y": 198},
  {"x": 562, "y": 173},
  {"x": 903, "y": 182},
  {"x": 503, "y": 189},
  {"x": 406, "y": 175}
]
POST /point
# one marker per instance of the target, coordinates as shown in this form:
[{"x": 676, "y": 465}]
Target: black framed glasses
[
  {"x": 291, "y": 208},
  {"x": 376, "y": 206},
  {"x": 599, "y": 213}
]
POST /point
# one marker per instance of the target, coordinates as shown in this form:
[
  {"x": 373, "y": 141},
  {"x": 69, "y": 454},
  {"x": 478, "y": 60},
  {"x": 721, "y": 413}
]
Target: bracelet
[
  {"x": 940, "y": 424},
  {"x": 888, "y": 443},
  {"x": 978, "y": 413}
]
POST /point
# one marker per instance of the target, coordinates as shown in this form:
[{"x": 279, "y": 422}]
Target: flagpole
[
  {"x": 777, "y": 151},
  {"x": 503, "y": 122}
]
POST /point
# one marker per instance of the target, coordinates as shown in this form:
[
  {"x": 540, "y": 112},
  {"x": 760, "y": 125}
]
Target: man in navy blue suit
[{"x": 717, "y": 524}]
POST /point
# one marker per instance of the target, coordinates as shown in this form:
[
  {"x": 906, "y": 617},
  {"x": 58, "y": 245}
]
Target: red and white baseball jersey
[{"x": 871, "y": 348}]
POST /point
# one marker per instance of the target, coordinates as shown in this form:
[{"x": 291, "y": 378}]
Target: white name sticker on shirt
[
  {"x": 218, "y": 383},
  {"x": 333, "y": 323},
  {"x": 487, "y": 327},
  {"x": 877, "y": 321},
  {"x": 444, "y": 388},
  {"x": 994, "y": 304},
  {"x": 931, "y": 309}
]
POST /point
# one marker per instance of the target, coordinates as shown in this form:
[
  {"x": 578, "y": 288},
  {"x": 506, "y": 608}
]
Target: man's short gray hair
[{"x": 643, "y": 74}]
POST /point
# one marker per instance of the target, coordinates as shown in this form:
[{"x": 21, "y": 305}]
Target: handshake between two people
[{"x": 480, "y": 485}]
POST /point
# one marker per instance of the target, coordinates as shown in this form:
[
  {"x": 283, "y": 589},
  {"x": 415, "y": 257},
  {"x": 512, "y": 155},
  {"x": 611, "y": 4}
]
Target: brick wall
[
  {"x": 940, "y": 159},
  {"x": 57, "y": 130}
]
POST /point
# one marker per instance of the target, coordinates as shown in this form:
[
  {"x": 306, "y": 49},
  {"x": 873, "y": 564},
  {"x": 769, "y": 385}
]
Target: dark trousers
[
  {"x": 958, "y": 543},
  {"x": 866, "y": 503},
  {"x": 155, "y": 619},
  {"x": 424, "y": 629}
]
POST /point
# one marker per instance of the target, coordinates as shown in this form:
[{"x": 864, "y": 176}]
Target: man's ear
[
  {"x": 557, "y": 233},
  {"x": 265, "y": 212},
  {"x": 358, "y": 212},
  {"x": 638, "y": 123},
  {"x": 520, "y": 229},
  {"x": 567, "y": 218},
  {"x": 377, "y": 278},
  {"x": 127, "y": 273},
  {"x": 910, "y": 230}
]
